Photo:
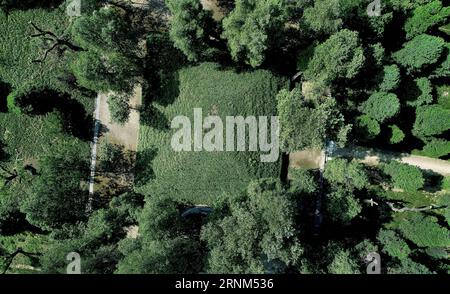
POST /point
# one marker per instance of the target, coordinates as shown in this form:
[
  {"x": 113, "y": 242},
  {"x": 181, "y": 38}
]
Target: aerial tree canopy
[
  {"x": 254, "y": 232},
  {"x": 421, "y": 51},
  {"x": 393, "y": 244},
  {"x": 391, "y": 78},
  {"x": 325, "y": 16},
  {"x": 252, "y": 28},
  {"x": 341, "y": 206},
  {"x": 426, "y": 17},
  {"x": 431, "y": 120},
  {"x": 340, "y": 56},
  {"x": 57, "y": 197},
  {"x": 381, "y": 106},
  {"x": 119, "y": 108},
  {"x": 404, "y": 176},
  {"x": 305, "y": 123},
  {"x": 350, "y": 173},
  {"x": 189, "y": 27},
  {"x": 424, "y": 231},
  {"x": 166, "y": 242}
]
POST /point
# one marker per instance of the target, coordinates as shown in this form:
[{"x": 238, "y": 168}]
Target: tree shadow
[
  {"x": 433, "y": 181},
  {"x": 161, "y": 70},
  {"x": 75, "y": 119},
  {"x": 153, "y": 117},
  {"x": 10, "y": 5},
  {"x": 143, "y": 170},
  {"x": 362, "y": 153},
  {"x": 5, "y": 89}
]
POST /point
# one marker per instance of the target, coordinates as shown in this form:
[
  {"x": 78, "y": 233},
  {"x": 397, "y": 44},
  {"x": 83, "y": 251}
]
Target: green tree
[
  {"x": 404, "y": 176},
  {"x": 393, "y": 245},
  {"x": 408, "y": 266},
  {"x": 381, "y": 106},
  {"x": 340, "y": 56},
  {"x": 350, "y": 173},
  {"x": 305, "y": 123},
  {"x": 341, "y": 205},
  {"x": 325, "y": 16},
  {"x": 112, "y": 72},
  {"x": 426, "y": 17},
  {"x": 424, "y": 231},
  {"x": 421, "y": 51},
  {"x": 119, "y": 108},
  {"x": 339, "y": 260},
  {"x": 252, "y": 28},
  {"x": 166, "y": 256},
  {"x": 443, "y": 70},
  {"x": 110, "y": 57},
  {"x": 56, "y": 196},
  {"x": 397, "y": 135},
  {"x": 189, "y": 27},
  {"x": 426, "y": 90},
  {"x": 391, "y": 79},
  {"x": 95, "y": 240},
  {"x": 431, "y": 120},
  {"x": 435, "y": 148},
  {"x": 302, "y": 181},
  {"x": 167, "y": 243},
  {"x": 105, "y": 30},
  {"x": 253, "y": 233},
  {"x": 368, "y": 127}
]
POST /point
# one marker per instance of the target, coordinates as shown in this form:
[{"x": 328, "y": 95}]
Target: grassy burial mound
[{"x": 201, "y": 176}]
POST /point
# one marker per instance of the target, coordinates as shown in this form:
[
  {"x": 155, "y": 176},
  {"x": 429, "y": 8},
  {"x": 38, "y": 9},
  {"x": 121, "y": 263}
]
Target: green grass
[
  {"x": 199, "y": 177},
  {"x": 18, "y": 50},
  {"x": 29, "y": 137}
]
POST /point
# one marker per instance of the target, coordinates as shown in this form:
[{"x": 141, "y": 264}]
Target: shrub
[
  {"x": 404, "y": 176},
  {"x": 397, "y": 134},
  {"x": 119, "y": 108},
  {"x": 11, "y": 102}
]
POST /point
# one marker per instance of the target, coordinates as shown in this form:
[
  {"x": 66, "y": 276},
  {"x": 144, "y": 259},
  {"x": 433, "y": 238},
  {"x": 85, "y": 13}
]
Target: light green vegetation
[{"x": 200, "y": 177}]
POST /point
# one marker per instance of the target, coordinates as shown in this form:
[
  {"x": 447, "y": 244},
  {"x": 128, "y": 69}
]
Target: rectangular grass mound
[{"x": 199, "y": 177}]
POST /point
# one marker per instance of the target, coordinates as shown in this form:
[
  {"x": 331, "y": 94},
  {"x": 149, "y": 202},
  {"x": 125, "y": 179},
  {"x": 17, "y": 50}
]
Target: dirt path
[
  {"x": 371, "y": 156},
  {"x": 127, "y": 134},
  {"x": 312, "y": 159}
]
